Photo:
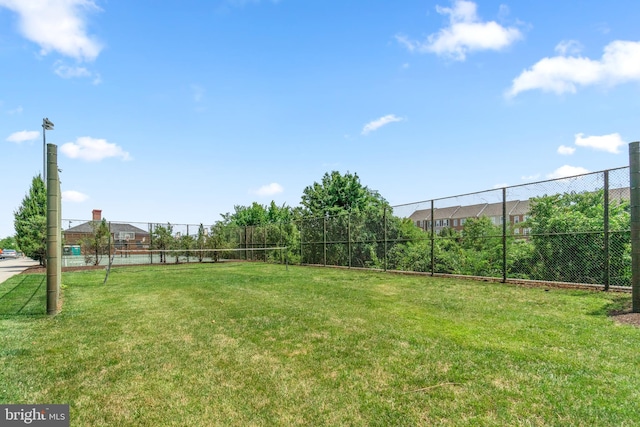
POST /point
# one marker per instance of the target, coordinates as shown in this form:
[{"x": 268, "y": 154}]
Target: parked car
[{"x": 9, "y": 253}]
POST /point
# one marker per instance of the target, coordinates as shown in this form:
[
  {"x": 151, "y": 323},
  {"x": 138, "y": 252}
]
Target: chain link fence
[{"x": 570, "y": 230}]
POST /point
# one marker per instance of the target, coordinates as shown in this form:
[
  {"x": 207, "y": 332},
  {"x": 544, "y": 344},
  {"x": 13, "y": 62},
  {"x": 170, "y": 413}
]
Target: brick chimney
[{"x": 97, "y": 214}]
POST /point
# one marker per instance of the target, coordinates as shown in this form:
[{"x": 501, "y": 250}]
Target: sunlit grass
[
  {"x": 257, "y": 344},
  {"x": 23, "y": 295}
]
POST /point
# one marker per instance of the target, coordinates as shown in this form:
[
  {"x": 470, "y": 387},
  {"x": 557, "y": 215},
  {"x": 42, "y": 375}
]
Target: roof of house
[
  {"x": 115, "y": 227},
  {"x": 438, "y": 213},
  {"x": 514, "y": 207}
]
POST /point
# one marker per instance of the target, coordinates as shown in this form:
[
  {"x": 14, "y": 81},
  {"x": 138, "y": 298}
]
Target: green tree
[
  {"x": 186, "y": 243},
  {"x": 343, "y": 222},
  {"x": 256, "y": 214},
  {"x": 411, "y": 248},
  {"x": 337, "y": 193},
  {"x": 8, "y": 243},
  {"x": 201, "y": 242},
  {"x": 257, "y": 226},
  {"x": 162, "y": 239},
  {"x": 567, "y": 231},
  {"x": 30, "y": 222},
  {"x": 97, "y": 243}
]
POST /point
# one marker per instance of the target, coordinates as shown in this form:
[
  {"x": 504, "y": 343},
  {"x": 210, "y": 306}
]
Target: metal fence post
[
  {"x": 150, "y": 243},
  {"x": 384, "y": 218},
  {"x": 634, "y": 172},
  {"x": 607, "y": 264},
  {"x": 433, "y": 236},
  {"x": 324, "y": 238},
  {"x": 504, "y": 235},
  {"x": 109, "y": 242},
  {"x": 349, "y": 236}
]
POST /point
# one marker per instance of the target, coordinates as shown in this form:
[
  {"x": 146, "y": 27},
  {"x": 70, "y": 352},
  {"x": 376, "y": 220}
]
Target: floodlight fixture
[{"x": 46, "y": 125}]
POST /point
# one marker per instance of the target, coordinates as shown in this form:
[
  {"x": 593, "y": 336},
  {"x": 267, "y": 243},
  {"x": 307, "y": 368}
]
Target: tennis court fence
[{"x": 571, "y": 230}]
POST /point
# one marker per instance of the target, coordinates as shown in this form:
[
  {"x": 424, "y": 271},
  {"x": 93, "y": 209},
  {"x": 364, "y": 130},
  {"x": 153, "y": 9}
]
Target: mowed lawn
[{"x": 244, "y": 344}]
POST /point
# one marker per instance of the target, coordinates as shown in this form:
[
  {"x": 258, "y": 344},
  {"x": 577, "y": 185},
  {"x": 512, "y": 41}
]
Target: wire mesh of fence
[{"x": 573, "y": 230}]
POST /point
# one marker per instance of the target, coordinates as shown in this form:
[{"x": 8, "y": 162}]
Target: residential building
[{"x": 123, "y": 236}]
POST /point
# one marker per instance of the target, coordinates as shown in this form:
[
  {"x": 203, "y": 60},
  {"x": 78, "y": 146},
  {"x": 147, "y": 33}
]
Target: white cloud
[
  {"x": 74, "y": 196},
  {"x": 16, "y": 110},
  {"x": 22, "y": 136},
  {"x": 609, "y": 143},
  {"x": 269, "y": 190},
  {"x": 465, "y": 33},
  {"x": 58, "y": 26},
  {"x": 566, "y": 151},
  {"x": 620, "y": 63},
  {"x": 378, "y": 123},
  {"x": 572, "y": 47},
  {"x": 93, "y": 150},
  {"x": 70, "y": 72},
  {"x": 567, "y": 171}
]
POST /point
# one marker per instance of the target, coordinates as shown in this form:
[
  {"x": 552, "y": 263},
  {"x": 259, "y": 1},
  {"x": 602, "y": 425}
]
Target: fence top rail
[{"x": 510, "y": 186}]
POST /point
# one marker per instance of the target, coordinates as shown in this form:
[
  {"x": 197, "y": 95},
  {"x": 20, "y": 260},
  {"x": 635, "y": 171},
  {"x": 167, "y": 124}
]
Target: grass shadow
[
  {"x": 23, "y": 295},
  {"x": 619, "y": 304}
]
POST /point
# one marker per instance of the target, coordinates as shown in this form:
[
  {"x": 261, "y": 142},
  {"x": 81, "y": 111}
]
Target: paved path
[{"x": 12, "y": 266}]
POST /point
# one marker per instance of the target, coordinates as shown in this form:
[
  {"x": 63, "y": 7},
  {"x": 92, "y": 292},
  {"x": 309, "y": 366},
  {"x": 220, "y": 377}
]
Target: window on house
[
  {"x": 455, "y": 222},
  {"x": 516, "y": 219}
]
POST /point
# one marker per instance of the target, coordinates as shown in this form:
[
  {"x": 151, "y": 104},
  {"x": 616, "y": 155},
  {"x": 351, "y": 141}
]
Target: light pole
[{"x": 46, "y": 125}]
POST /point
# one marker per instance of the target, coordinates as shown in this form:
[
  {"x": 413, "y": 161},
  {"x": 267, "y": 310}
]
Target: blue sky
[{"x": 179, "y": 110}]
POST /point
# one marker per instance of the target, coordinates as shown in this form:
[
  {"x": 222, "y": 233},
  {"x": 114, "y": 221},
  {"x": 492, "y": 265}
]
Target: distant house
[
  {"x": 123, "y": 236},
  {"x": 517, "y": 212},
  {"x": 455, "y": 216}
]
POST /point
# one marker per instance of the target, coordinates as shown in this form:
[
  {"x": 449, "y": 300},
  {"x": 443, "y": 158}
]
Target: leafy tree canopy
[
  {"x": 30, "y": 221},
  {"x": 337, "y": 193},
  {"x": 96, "y": 244},
  {"x": 566, "y": 231},
  {"x": 8, "y": 243},
  {"x": 257, "y": 214}
]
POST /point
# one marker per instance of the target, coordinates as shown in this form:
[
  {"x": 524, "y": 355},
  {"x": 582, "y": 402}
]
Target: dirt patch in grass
[{"x": 627, "y": 318}]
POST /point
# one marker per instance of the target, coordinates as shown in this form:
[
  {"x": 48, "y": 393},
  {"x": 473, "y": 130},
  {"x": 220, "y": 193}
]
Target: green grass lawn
[{"x": 256, "y": 344}]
